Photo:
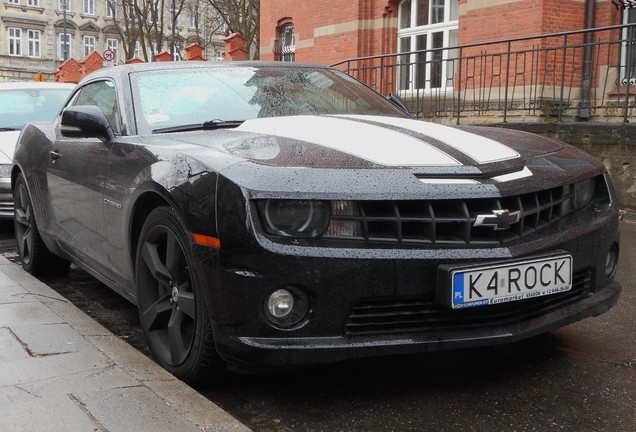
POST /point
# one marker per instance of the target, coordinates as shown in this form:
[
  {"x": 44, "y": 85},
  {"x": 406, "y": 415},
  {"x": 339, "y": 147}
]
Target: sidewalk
[{"x": 62, "y": 371}]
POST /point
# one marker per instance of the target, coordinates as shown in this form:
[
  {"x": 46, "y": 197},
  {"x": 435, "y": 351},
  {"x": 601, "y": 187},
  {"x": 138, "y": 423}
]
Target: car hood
[
  {"x": 339, "y": 157},
  {"x": 361, "y": 142},
  {"x": 7, "y": 145}
]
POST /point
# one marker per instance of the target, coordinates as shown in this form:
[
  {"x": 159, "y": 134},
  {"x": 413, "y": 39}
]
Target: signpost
[{"x": 109, "y": 57}]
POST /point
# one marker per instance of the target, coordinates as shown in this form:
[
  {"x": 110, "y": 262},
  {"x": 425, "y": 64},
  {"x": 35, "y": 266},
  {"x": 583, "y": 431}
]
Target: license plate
[{"x": 494, "y": 284}]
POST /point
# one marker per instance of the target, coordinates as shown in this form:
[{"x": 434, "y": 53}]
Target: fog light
[
  {"x": 611, "y": 261},
  {"x": 287, "y": 308},
  {"x": 280, "y": 303}
]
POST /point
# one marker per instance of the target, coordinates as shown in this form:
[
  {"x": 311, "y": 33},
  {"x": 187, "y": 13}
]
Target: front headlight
[
  {"x": 583, "y": 193},
  {"x": 294, "y": 218},
  {"x": 5, "y": 170}
]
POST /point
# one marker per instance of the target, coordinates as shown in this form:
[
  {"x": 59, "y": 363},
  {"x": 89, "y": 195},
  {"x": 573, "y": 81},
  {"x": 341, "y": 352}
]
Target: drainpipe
[{"x": 584, "y": 106}]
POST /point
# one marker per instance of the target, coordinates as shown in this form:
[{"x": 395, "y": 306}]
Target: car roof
[{"x": 32, "y": 85}]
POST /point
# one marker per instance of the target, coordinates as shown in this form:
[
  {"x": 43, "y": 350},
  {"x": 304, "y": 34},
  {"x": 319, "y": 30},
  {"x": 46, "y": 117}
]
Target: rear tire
[
  {"x": 172, "y": 310},
  {"x": 34, "y": 255}
]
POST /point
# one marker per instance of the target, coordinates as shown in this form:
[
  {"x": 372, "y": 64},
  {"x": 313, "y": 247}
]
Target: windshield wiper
[
  {"x": 5, "y": 129},
  {"x": 211, "y": 124}
]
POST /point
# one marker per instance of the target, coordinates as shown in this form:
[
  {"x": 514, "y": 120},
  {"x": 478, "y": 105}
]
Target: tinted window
[{"x": 101, "y": 94}]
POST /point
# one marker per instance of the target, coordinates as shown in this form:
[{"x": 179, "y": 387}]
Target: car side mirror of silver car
[{"x": 85, "y": 121}]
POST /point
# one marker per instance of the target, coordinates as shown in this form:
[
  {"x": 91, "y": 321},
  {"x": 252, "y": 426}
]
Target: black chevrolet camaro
[{"x": 263, "y": 215}]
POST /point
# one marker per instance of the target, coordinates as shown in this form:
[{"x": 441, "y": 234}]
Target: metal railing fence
[{"x": 588, "y": 74}]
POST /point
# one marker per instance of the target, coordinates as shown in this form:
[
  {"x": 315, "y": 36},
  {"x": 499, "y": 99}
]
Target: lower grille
[{"x": 414, "y": 316}]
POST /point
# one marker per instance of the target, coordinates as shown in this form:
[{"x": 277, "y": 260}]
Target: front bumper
[
  {"x": 266, "y": 353},
  {"x": 341, "y": 283}
]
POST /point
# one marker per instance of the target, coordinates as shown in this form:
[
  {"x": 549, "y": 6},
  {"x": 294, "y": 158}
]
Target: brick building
[{"x": 330, "y": 31}]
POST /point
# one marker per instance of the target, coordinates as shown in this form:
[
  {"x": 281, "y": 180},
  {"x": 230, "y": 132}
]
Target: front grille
[
  {"x": 447, "y": 222},
  {"x": 6, "y": 207},
  {"x": 421, "y": 315}
]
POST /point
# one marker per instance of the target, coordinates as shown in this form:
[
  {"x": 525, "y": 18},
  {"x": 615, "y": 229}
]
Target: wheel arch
[
  {"x": 15, "y": 172},
  {"x": 145, "y": 203}
]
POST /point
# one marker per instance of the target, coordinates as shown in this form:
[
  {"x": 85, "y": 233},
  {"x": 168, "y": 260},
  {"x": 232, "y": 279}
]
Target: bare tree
[
  {"x": 151, "y": 26},
  {"x": 126, "y": 24},
  {"x": 241, "y": 16},
  {"x": 209, "y": 26},
  {"x": 176, "y": 7}
]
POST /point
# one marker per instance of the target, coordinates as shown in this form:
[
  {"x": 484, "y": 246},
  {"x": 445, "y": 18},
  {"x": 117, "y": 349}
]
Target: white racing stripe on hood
[
  {"x": 478, "y": 148},
  {"x": 370, "y": 142}
]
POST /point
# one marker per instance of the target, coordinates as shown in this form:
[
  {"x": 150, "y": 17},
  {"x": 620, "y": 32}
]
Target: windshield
[
  {"x": 167, "y": 99},
  {"x": 21, "y": 106}
]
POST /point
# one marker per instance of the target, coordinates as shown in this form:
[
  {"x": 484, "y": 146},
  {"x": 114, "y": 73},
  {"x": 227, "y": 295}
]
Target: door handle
[{"x": 55, "y": 155}]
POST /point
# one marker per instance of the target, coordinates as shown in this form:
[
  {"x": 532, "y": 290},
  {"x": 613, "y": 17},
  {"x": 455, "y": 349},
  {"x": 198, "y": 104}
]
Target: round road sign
[{"x": 109, "y": 55}]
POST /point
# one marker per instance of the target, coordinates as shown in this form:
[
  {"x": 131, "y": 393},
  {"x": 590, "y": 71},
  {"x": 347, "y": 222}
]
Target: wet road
[{"x": 579, "y": 378}]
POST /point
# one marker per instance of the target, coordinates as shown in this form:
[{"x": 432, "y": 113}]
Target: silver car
[{"x": 22, "y": 103}]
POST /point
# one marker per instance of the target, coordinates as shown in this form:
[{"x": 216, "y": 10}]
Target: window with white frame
[
  {"x": 14, "y": 39},
  {"x": 88, "y": 7},
  {"x": 34, "y": 3},
  {"x": 34, "y": 43},
  {"x": 628, "y": 51},
  {"x": 137, "y": 52},
  {"x": 113, "y": 44},
  {"x": 64, "y": 5},
  {"x": 111, "y": 6},
  {"x": 193, "y": 17},
  {"x": 13, "y": 1},
  {"x": 424, "y": 28},
  {"x": 64, "y": 46},
  {"x": 89, "y": 44}
]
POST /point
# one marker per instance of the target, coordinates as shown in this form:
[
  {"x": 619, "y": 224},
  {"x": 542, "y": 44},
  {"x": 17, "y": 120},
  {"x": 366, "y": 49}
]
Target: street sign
[{"x": 109, "y": 55}]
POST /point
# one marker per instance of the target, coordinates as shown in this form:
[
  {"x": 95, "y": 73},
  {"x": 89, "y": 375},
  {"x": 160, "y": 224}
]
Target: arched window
[
  {"x": 427, "y": 25},
  {"x": 285, "y": 43}
]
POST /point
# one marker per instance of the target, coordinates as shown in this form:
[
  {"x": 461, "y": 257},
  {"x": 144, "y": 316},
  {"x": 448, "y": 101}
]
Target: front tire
[
  {"x": 34, "y": 255},
  {"x": 172, "y": 309}
]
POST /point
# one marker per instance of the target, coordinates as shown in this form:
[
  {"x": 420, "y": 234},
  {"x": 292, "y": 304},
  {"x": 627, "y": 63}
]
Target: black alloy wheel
[
  {"x": 34, "y": 255},
  {"x": 171, "y": 307}
]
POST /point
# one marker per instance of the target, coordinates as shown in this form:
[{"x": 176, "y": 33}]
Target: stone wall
[{"x": 614, "y": 144}]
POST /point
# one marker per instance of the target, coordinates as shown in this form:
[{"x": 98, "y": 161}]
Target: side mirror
[
  {"x": 398, "y": 102},
  {"x": 85, "y": 121}
]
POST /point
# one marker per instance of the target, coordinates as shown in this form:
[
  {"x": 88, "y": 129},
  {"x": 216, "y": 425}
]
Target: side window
[{"x": 101, "y": 94}]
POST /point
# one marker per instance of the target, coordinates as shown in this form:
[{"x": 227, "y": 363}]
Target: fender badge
[
  {"x": 499, "y": 220},
  {"x": 113, "y": 203}
]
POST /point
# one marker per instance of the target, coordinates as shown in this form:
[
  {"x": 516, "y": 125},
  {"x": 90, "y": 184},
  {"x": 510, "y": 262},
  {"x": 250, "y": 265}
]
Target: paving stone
[
  {"x": 11, "y": 349},
  {"x": 49, "y": 339},
  {"x": 133, "y": 409},
  {"x": 26, "y": 313},
  {"x": 23, "y": 411}
]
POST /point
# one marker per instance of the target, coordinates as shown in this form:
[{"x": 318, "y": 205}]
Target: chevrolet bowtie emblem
[{"x": 499, "y": 220}]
